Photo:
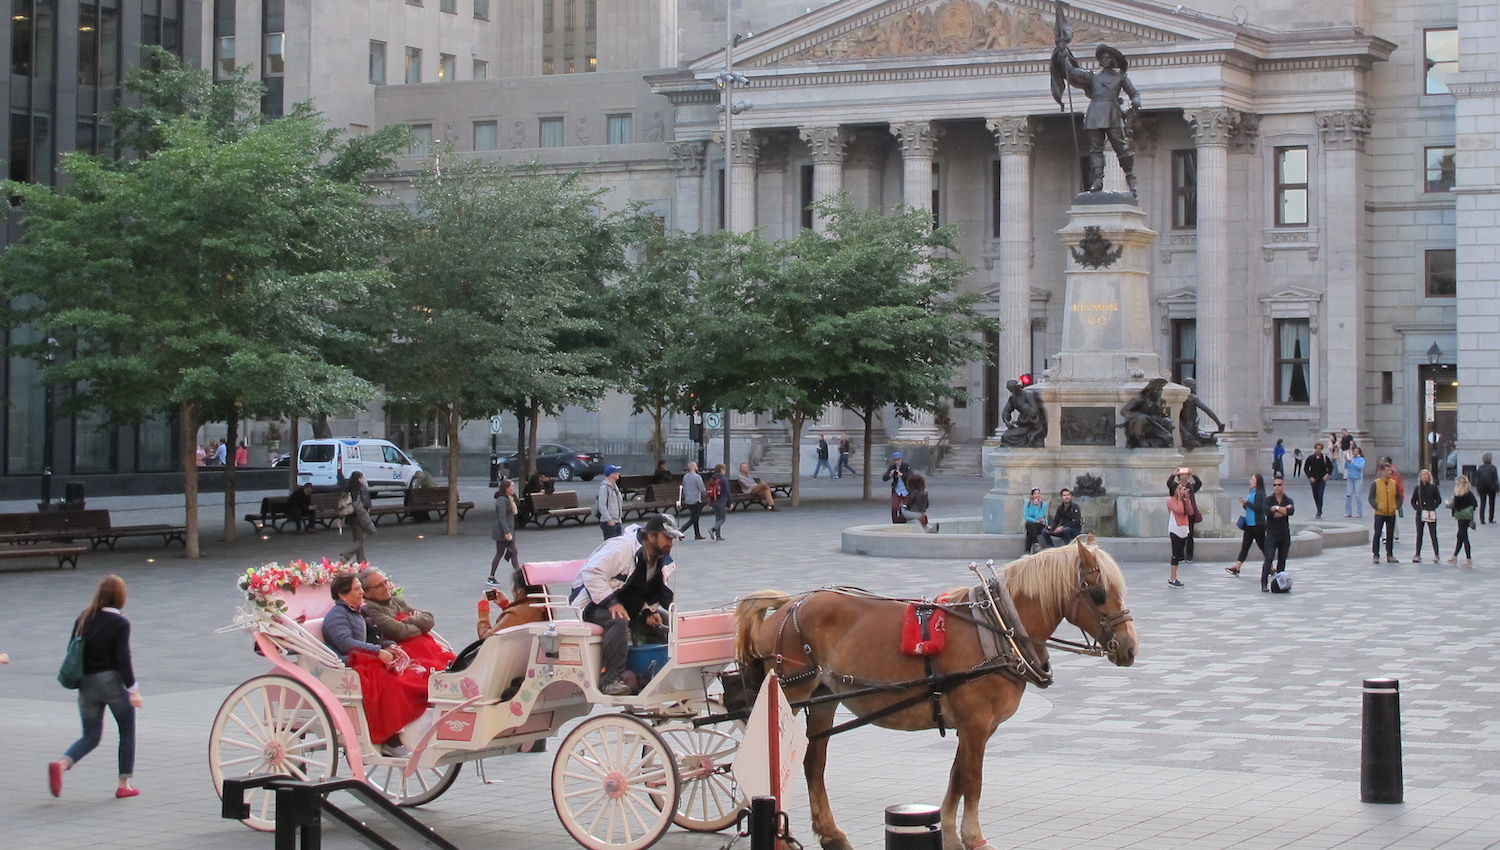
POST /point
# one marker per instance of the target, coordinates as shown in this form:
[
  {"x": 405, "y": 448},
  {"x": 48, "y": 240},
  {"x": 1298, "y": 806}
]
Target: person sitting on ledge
[{"x": 1067, "y": 522}]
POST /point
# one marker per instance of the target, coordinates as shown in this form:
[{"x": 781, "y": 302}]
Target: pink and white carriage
[{"x": 620, "y": 778}]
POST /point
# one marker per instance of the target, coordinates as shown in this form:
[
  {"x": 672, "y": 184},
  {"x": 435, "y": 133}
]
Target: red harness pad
[{"x": 912, "y": 642}]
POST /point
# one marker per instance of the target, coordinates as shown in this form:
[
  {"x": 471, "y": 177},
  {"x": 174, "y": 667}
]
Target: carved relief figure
[{"x": 1025, "y": 416}]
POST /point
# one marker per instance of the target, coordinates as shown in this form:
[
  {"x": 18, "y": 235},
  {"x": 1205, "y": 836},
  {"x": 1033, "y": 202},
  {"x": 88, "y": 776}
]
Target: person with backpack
[
  {"x": 108, "y": 682},
  {"x": 718, "y": 496},
  {"x": 1486, "y": 484},
  {"x": 1463, "y": 504}
]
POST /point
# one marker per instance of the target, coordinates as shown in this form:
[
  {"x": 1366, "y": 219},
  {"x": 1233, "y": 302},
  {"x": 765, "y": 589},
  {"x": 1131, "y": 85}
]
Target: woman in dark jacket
[
  {"x": 505, "y": 528},
  {"x": 1426, "y": 498},
  {"x": 720, "y": 501},
  {"x": 1254, "y": 504},
  {"x": 108, "y": 682},
  {"x": 359, "y": 522},
  {"x": 1464, "y": 505}
]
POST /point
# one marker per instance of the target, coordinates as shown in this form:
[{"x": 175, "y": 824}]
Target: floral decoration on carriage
[{"x": 268, "y": 585}]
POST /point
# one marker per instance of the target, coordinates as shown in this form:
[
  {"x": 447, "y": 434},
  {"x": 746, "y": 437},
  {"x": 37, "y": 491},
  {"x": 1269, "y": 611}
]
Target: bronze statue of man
[
  {"x": 1187, "y": 420},
  {"x": 1025, "y": 417},
  {"x": 1148, "y": 422},
  {"x": 1105, "y": 120}
]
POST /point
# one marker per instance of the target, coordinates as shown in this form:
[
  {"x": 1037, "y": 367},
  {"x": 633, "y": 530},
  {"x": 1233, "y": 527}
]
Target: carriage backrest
[
  {"x": 547, "y": 575},
  {"x": 306, "y": 603}
]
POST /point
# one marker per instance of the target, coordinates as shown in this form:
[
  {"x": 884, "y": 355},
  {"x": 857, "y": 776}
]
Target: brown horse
[{"x": 831, "y": 642}]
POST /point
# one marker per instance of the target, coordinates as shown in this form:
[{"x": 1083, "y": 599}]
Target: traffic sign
[
  {"x": 495, "y": 424},
  {"x": 713, "y": 419}
]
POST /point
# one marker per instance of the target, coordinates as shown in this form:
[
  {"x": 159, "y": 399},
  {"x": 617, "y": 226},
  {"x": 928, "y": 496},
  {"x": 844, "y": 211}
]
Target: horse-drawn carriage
[{"x": 619, "y": 779}]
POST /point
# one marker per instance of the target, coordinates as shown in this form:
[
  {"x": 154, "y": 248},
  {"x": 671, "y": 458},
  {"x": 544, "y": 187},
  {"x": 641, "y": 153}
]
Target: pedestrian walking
[
  {"x": 1385, "y": 498},
  {"x": 1486, "y": 483},
  {"x": 845, "y": 449},
  {"x": 718, "y": 496},
  {"x": 506, "y": 510},
  {"x": 108, "y": 682},
  {"x": 1425, "y": 500},
  {"x": 693, "y": 494},
  {"x": 1252, "y": 524},
  {"x": 360, "y": 524},
  {"x": 1464, "y": 505},
  {"x": 1354, "y": 476},
  {"x": 1178, "y": 530},
  {"x": 1317, "y": 468},
  {"x": 822, "y": 457},
  {"x": 1278, "y": 456},
  {"x": 1296, "y": 463},
  {"x": 1278, "y": 513},
  {"x": 897, "y": 473}
]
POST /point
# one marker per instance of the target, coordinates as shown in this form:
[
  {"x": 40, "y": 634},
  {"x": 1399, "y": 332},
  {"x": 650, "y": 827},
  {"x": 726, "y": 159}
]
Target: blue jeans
[
  {"x": 844, "y": 464},
  {"x": 1353, "y": 498},
  {"x": 822, "y": 464},
  {"x": 98, "y": 691}
]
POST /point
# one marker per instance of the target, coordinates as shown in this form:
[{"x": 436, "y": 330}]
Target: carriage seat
[
  {"x": 547, "y": 575},
  {"x": 503, "y": 658}
]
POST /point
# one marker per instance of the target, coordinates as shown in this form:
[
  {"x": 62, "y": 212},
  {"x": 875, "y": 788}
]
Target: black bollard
[
  {"x": 912, "y": 826},
  {"x": 1380, "y": 751},
  {"x": 763, "y": 823}
]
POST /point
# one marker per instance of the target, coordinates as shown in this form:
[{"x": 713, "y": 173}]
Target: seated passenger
[
  {"x": 391, "y": 699},
  {"x": 524, "y": 606},
  {"x": 396, "y": 620},
  {"x": 625, "y": 588}
]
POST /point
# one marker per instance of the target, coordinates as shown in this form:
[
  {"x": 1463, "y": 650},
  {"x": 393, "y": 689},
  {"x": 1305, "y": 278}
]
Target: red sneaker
[
  {"x": 127, "y": 792},
  {"x": 54, "y": 778}
]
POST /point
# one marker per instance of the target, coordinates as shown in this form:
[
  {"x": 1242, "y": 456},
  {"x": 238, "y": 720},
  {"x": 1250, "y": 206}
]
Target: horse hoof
[{"x": 840, "y": 843}]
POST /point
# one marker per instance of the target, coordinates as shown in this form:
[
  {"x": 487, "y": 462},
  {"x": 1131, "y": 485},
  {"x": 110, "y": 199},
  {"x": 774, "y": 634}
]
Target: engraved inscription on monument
[{"x": 1088, "y": 426}]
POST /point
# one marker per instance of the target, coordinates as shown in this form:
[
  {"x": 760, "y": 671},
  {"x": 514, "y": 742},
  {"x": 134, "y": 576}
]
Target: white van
[{"x": 328, "y": 463}]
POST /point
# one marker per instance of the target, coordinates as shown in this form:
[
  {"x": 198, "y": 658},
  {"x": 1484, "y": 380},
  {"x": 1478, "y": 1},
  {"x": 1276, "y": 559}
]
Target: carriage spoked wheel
[
  {"x": 708, "y": 798},
  {"x": 614, "y": 783},
  {"x": 423, "y": 786},
  {"x": 270, "y": 725}
]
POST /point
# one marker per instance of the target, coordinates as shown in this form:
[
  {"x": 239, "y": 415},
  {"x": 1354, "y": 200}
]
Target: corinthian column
[
  {"x": 1013, "y": 137},
  {"x": 918, "y": 140},
  {"x": 687, "y": 161},
  {"x": 1213, "y": 128},
  {"x": 743, "y": 155},
  {"x": 827, "y": 147},
  {"x": 1342, "y": 186}
]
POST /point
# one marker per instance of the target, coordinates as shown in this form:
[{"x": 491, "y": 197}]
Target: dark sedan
[{"x": 560, "y": 462}]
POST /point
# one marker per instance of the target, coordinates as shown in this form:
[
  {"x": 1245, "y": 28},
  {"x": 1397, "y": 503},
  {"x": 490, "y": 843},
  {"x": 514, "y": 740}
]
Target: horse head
[
  {"x": 750, "y": 614},
  {"x": 1098, "y": 608}
]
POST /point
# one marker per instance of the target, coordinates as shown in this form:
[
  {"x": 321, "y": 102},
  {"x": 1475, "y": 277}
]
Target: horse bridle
[{"x": 1105, "y": 645}]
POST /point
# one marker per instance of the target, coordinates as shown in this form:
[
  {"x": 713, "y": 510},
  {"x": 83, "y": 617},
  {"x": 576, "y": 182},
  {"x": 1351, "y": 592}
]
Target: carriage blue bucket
[{"x": 647, "y": 658}]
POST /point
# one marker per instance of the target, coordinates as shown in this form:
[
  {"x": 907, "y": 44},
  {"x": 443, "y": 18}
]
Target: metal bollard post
[
  {"x": 763, "y": 822},
  {"x": 1380, "y": 750},
  {"x": 913, "y": 826}
]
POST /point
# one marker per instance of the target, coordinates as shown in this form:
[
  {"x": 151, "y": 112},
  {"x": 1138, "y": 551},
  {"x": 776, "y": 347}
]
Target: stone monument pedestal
[{"x": 1106, "y": 360}]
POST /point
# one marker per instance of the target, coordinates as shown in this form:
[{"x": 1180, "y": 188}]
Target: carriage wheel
[
  {"x": 423, "y": 786},
  {"x": 614, "y": 784},
  {"x": 269, "y": 725},
  {"x": 708, "y": 798}
]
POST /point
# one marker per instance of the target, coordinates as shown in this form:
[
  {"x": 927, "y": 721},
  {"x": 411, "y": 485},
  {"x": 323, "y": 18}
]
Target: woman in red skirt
[{"x": 393, "y": 694}]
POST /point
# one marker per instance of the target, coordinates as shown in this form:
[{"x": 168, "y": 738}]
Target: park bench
[
  {"x": 561, "y": 507},
  {"x": 273, "y": 513},
  {"x": 739, "y": 498},
  {"x": 63, "y": 554},
  {"x": 658, "y": 499},
  {"x": 633, "y": 485},
  {"x": 420, "y": 500},
  {"x": 94, "y": 525}
]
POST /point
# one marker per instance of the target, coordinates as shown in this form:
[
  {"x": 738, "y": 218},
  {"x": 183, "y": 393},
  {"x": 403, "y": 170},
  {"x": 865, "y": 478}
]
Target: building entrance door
[{"x": 1437, "y": 413}]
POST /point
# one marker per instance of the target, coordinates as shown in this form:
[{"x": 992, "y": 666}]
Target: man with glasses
[
  {"x": 397, "y": 620},
  {"x": 1278, "y": 512},
  {"x": 625, "y": 588}
]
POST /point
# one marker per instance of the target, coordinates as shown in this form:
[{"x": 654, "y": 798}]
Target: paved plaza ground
[{"x": 1237, "y": 728}]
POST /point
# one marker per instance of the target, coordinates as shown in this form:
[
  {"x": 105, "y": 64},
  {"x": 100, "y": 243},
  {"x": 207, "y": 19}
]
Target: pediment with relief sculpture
[{"x": 950, "y": 27}]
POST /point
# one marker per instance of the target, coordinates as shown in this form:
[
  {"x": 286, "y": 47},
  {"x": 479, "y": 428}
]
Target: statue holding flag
[{"x": 1105, "y": 120}]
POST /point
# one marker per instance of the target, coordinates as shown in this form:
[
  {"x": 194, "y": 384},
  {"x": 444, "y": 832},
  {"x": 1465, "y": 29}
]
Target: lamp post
[
  {"x": 726, "y": 81},
  {"x": 1434, "y": 354},
  {"x": 1434, "y": 359},
  {"x": 48, "y": 449}
]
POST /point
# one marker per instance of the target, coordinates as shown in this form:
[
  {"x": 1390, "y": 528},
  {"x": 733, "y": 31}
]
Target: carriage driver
[{"x": 626, "y": 585}]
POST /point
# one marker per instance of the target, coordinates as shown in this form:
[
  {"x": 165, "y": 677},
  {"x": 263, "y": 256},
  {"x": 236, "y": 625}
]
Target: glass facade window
[
  {"x": 1184, "y": 349},
  {"x": 30, "y": 146},
  {"x": 486, "y": 135},
  {"x": 95, "y": 443},
  {"x": 25, "y": 415},
  {"x": 1440, "y": 270},
  {"x": 1291, "y": 187},
  {"x": 1441, "y": 58},
  {"x": 570, "y": 15},
  {"x": 377, "y": 63},
  {"x": 618, "y": 130},
  {"x": 1292, "y": 361},
  {"x": 481, "y": 69},
  {"x": 1184, "y": 190},
  {"x": 447, "y": 64},
  {"x": 482, "y": 9},
  {"x": 421, "y": 140},
  {"x": 224, "y": 58},
  {"x": 273, "y": 64},
  {"x": 88, "y": 44},
  {"x": 413, "y": 65},
  {"x": 449, "y": 6},
  {"x": 551, "y": 132},
  {"x": 156, "y": 444},
  {"x": 1441, "y": 169}
]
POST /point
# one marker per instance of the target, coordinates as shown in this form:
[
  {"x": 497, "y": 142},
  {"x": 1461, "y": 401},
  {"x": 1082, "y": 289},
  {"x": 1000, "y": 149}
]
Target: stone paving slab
[{"x": 1238, "y": 727}]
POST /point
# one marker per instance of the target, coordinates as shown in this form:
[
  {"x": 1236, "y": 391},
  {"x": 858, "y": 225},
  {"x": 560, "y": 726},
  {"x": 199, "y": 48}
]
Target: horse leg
[
  {"x": 950, "y": 806},
  {"x": 968, "y": 779},
  {"x": 820, "y": 718}
]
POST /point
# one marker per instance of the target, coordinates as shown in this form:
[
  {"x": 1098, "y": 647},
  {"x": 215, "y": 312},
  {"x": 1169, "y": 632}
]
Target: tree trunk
[
  {"x": 658, "y": 443},
  {"x": 453, "y": 471},
  {"x": 798, "y": 420},
  {"x": 291, "y": 465},
  {"x": 320, "y": 428},
  {"x": 231, "y": 436},
  {"x": 533, "y": 414},
  {"x": 869, "y": 417},
  {"x": 188, "y": 459}
]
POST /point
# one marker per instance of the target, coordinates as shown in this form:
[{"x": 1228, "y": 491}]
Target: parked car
[
  {"x": 326, "y": 463},
  {"x": 560, "y": 462},
  {"x": 281, "y": 460}
]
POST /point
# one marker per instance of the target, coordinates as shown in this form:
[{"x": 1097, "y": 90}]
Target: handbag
[
  {"x": 1465, "y": 513},
  {"x": 1239, "y": 522},
  {"x": 345, "y": 506},
  {"x": 70, "y": 675}
]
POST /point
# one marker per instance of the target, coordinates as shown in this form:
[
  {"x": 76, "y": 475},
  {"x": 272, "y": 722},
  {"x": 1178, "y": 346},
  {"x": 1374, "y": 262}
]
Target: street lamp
[
  {"x": 726, "y": 81},
  {"x": 47, "y": 426},
  {"x": 1434, "y": 354}
]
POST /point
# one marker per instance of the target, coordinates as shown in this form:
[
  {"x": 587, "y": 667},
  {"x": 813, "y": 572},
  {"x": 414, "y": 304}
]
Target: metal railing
[{"x": 300, "y": 807}]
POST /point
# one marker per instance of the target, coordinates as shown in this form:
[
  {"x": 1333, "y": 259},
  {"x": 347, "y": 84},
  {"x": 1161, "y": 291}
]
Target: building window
[
  {"x": 482, "y": 9},
  {"x": 413, "y": 2},
  {"x": 1440, "y": 266},
  {"x": 1184, "y": 190},
  {"x": 274, "y": 63},
  {"x": 1387, "y": 388},
  {"x": 447, "y": 64},
  {"x": 377, "y": 63},
  {"x": 421, "y": 140},
  {"x": 618, "y": 130},
  {"x": 481, "y": 69},
  {"x": 548, "y": 24},
  {"x": 1442, "y": 170},
  {"x": 551, "y": 132},
  {"x": 486, "y": 135},
  {"x": 1441, "y": 58},
  {"x": 548, "y": 67},
  {"x": 224, "y": 58},
  {"x": 590, "y": 15},
  {"x": 995, "y": 201},
  {"x": 570, "y": 15},
  {"x": 1293, "y": 348},
  {"x": 1291, "y": 187},
  {"x": 572, "y": 66},
  {"x": 1184, "y": 349},
  {"x": 593, "y": 64},
  {"x": 807, "y": 197},
  {"x": 413, "y": 65},
  {"x": 450, "y": 6},
  {"x": 937, "y": 196}
]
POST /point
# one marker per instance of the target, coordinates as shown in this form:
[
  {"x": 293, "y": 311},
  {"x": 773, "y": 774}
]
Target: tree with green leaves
[
  {"x": 496, "y": 304},
  {"x": 205, "y": 275},
  {"x": 893, "y": 326}
]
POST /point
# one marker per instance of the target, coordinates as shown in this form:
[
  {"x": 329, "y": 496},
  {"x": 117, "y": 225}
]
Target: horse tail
[{"x": 748, "y": 615}]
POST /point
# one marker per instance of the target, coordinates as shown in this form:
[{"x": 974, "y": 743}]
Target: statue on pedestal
[
  {"x": 1187, "y": 419},
  {"x": 1025, "y": 418},
  {"x": 1105, "y": 120},
  {"x": 1148, "y": 422}
]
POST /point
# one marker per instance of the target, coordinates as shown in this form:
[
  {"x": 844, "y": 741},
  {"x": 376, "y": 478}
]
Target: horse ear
[{"x": 1089, "y": 539}]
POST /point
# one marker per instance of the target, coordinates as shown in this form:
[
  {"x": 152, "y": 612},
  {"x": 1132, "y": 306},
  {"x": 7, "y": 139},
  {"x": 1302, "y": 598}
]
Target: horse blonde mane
[
  {"x": 1051, "y": 576},
  {"x": 749, "y": 613}
]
